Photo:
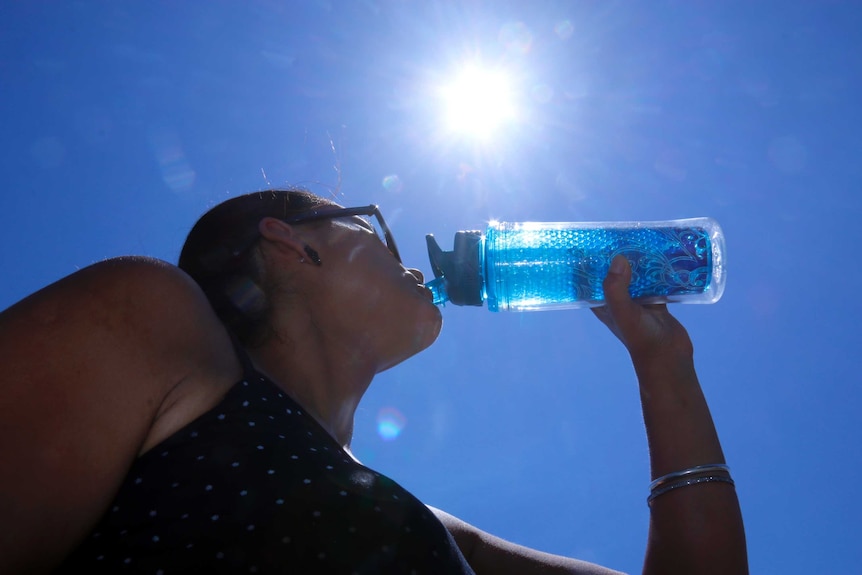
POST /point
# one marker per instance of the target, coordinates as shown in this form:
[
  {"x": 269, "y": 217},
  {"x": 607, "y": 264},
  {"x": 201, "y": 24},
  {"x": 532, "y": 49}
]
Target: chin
[
  {"x": 426, "y": 328},
  {"x": 431, "y": 328}
]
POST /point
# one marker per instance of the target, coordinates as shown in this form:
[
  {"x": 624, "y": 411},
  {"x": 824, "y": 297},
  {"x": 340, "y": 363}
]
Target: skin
[
  {"x": 696, "y": 529},
  {"x": 331, "y": 358},
  {"x": 73, "y": 417}
]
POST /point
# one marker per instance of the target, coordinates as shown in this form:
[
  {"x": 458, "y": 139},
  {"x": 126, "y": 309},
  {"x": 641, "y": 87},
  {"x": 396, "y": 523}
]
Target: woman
[{"x": 161, "y": 420}]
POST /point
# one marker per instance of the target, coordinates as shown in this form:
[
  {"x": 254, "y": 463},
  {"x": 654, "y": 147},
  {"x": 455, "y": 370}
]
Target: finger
[{"x": 621, "y": 308}]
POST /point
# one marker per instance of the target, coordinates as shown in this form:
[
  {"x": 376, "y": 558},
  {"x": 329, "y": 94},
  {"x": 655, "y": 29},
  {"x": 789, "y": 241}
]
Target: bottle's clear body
[{"x": 551, "y": 265}]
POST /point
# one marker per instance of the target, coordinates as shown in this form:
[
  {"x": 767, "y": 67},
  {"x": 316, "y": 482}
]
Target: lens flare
[
  {"x": 393, "y": 184},
  {"x": 564, "y": 29},
  {"x": 177, "y": 174},
  {"x": 390, "y": 423},
  {"x": 516, "y": 37}
]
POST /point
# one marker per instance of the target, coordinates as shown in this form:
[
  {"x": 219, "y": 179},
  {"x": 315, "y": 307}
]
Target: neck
[{"x": 327, "y": 379}]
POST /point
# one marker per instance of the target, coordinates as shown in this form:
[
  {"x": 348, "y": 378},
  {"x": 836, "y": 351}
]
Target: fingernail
[{"x": 618, "y": 266}]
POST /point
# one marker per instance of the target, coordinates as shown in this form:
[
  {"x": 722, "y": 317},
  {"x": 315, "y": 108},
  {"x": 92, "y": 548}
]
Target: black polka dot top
[{"x": 256, "y": 485}]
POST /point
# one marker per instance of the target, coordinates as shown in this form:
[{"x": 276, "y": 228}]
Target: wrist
[
  {"x": 670, "y": 348},
  {"x": 670, "y": 364}
]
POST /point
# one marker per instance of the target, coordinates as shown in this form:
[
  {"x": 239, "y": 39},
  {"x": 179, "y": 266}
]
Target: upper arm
[
  {"x": 488, "y": 554},
  {"x": 84, "y": 366}
]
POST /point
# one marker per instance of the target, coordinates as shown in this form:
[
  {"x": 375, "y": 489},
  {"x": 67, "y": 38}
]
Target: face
[{"x": 371, "y": 295}]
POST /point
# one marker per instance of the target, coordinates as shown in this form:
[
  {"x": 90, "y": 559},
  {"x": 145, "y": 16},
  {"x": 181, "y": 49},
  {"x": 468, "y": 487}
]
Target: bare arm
[
  {"x": 86, "y": 365},
  {"x": 694, "y": 529},
  {"x": 490, "y": 555}
]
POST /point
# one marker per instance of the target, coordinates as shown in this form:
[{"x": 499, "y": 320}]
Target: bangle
[
  {"x": 709, "y": 468},
  {"x": 685, "y": 482}
]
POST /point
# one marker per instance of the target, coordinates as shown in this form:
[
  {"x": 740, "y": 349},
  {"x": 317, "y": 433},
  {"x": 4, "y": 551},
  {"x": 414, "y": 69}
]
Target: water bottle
[{"x": 558, "y": 265}]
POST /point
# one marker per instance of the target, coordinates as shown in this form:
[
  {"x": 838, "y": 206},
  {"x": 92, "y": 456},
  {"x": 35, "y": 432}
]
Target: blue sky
[{"x": 122, "y": 122}]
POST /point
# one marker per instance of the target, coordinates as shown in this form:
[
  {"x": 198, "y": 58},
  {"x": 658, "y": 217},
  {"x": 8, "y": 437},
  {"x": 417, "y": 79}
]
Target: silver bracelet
[
  {"x": 685, "y": 482},
  {"x": 709, "y": 468}
]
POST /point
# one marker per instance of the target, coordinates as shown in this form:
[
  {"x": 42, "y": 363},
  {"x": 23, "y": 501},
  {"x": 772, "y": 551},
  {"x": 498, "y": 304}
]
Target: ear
[{"x": 282, "y": 235}]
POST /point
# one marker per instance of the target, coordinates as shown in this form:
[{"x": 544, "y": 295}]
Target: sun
[{"x": 478, "y": 101}]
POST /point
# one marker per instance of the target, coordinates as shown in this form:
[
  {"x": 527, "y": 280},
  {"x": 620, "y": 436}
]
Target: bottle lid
[{"x": 459, "y": 269}]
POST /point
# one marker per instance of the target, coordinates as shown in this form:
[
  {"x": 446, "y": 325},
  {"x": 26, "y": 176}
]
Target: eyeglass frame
[{"x": 332, "y": 213}]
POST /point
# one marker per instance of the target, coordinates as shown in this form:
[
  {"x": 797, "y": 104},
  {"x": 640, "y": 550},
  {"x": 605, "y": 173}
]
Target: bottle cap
[{"x": 459, "y": 269}]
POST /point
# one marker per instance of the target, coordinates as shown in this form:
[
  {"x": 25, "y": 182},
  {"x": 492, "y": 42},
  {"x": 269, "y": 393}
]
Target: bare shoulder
[
  {"x": 132, "y": 304},
  {"x": 128, "y": 283},
  {"x": 489, "y": 554},
  {"x": 87, "y": 363},
  {"x": 145, "y": 278}
]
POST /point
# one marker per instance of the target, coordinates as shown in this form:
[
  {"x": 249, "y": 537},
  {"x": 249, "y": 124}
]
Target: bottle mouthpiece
[{"x": 458, "y": 275}]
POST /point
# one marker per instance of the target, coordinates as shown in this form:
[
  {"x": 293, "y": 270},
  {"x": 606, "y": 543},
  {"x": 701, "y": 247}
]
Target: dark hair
[{"x": 218, "y": 254}]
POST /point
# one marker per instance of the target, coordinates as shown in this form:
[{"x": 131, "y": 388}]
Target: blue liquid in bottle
[{"x": 535, "y": 266}]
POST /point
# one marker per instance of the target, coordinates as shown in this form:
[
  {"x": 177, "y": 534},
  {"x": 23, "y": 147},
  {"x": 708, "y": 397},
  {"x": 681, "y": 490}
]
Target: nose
[{"x": 417, "y": 274}]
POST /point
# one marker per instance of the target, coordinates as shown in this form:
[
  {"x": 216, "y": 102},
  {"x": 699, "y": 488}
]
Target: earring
[{"x": 312, "y": 255}]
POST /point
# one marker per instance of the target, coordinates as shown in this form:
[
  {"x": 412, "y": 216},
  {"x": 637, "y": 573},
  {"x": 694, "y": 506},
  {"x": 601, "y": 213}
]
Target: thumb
[
  {"x": 616, "y": 284},
  {"x": 616, "y": 288}
]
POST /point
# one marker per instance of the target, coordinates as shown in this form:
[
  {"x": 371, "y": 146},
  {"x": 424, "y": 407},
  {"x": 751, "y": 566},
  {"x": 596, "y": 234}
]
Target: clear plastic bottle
[{"x": 554, "y": 265}]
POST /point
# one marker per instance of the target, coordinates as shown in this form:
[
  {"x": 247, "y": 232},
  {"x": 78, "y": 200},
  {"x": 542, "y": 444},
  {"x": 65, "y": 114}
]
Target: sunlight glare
[{"x": 478, "y": 101}]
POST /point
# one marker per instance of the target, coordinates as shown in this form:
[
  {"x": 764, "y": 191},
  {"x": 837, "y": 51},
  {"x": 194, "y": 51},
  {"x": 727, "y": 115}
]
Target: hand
[
  {"x": 698, "y": 530},
  {"x": 647, "y": 331}
]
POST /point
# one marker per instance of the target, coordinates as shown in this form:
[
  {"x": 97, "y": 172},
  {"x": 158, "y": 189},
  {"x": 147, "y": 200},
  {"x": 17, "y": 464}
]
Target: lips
[{"x": 429, "y": 295}]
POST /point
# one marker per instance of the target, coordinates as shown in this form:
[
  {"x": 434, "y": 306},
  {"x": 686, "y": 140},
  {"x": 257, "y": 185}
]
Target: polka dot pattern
[{"x": 255, "y": 485}]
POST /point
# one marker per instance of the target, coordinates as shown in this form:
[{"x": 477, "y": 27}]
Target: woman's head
[
  {"x": 250, "y": 255},
  {"x": 218, "y": 254}
]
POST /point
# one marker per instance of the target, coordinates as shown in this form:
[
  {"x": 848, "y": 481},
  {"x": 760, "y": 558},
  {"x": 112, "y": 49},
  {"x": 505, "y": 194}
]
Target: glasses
[{"x": 382, "y": 230}]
